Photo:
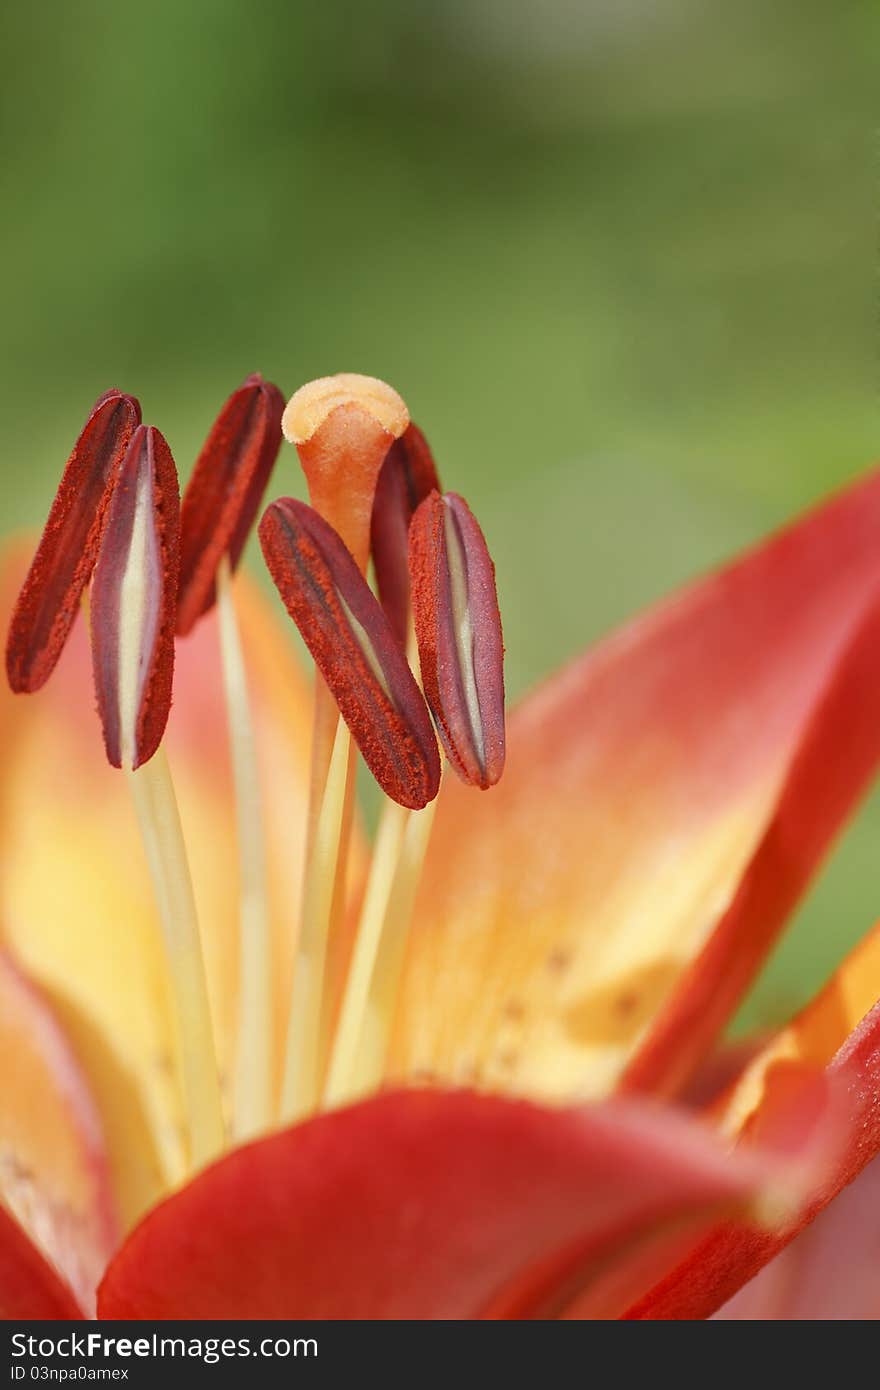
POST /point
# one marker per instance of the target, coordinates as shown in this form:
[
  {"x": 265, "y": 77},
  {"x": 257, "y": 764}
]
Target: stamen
[
  {"x": 159, "y": 821},
  {"x": 320, "y": 585},
  {"x": 133, "y": 602},
  {"x": 132, "y": 626},
  {"x": 458, "y": 625},
  {"x": 252, "y": 1090},
  {"x": 408, "y": 476},
  {"x": 219, "y": 508},
  {"x": 62, "y": 566},
  {"x": 225, "y": 491},
  {"x": 304, "y": 1063}
]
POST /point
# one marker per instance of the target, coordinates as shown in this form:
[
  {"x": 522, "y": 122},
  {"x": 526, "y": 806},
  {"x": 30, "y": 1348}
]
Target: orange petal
[
  {"x": 75, "y": 895},
  {"x": 665, "y": 800},
  {"x": 839, "y": 1031},
  {"x": 57, "y": 1226},
  {"x": 424, "y": 1204}
]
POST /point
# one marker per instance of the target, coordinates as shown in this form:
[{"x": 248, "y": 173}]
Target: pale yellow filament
[
  {"x": 383, "y": 867},
  {"x": 252, "y": 1081},
  {"x": 156, "y": 806},
  {"x": 305, "y": 1037},
  {"x": 358, "y": 1070}
]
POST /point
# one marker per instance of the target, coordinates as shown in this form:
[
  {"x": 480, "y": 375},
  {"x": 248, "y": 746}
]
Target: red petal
[
  {"x": 49, "y": 599},
  {"x": 133, "y": 642},
  {"x": 323, "y": 589},
  {"x": 29, "y": 1287},
  {"x": 420, "y": 1205},
  {"x": 458, "y": 626},
  {"x": 702, "y": 1280},
  {"x": 407, "y": 476},
  {"x": 838, "y": 753},
  {"x": 225, "y": 491}
]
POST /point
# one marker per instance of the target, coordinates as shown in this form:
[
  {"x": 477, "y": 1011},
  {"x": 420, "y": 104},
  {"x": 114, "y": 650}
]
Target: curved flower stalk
[{"x": 558, "y": 953}]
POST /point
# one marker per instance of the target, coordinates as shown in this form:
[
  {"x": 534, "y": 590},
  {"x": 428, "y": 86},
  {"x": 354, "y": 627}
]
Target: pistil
[{"x": 343, "y": 427}]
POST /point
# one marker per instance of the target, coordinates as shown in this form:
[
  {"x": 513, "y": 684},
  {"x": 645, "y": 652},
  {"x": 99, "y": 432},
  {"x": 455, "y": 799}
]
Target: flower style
[{"x": 472, "y": 1073}]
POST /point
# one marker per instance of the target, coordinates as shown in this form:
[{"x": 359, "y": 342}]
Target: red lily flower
[{"x": 548, "y": 979}]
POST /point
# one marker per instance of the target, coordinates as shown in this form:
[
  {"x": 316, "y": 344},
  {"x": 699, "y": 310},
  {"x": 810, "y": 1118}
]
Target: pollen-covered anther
[
  {"x": 458, "y": 628},
  {"x": 407, "y": 476},
  {"x": 65, "y": 558},
  {"x": 343, "y": 426},
  {"x": 225, "y": 492},
  {"x": 133, "y": 602},
  {"x": 354, "y": 648}
]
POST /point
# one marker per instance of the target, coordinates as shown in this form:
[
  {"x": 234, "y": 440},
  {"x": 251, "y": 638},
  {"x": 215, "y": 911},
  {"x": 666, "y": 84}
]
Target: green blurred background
[{"x": 617, "y": 255}]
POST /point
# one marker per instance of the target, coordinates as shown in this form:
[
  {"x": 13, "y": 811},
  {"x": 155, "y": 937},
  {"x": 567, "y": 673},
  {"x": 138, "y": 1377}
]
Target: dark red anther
[
  {"x": 50, "y": 597},
  {"x": 225, "y": 492},
  {"x": 134, "y": 596},
  {"x": 407, "y": 476},
  {"x": 458, "y": 627},
  {"x": 351, "y": 640}
]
